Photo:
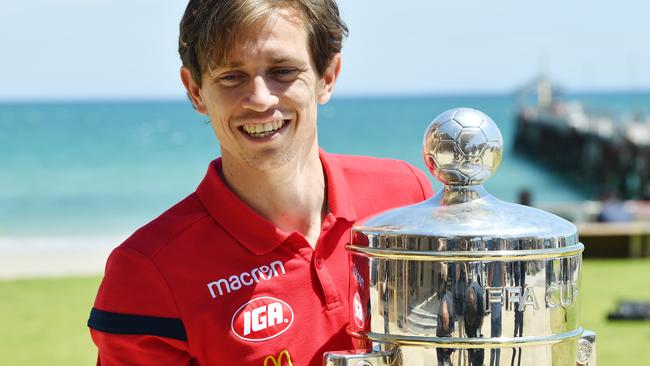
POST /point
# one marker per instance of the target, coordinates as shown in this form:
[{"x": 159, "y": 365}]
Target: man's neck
[{"x": 293, "y": 196}]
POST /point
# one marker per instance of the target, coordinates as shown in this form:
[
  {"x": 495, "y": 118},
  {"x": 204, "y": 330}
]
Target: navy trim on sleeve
[{"x": 116, "y": 323}]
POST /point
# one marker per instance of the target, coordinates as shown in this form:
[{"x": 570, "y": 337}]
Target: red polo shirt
[{"x": 211, "y": 282}]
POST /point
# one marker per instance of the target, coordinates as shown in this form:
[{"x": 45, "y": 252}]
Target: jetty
[
  {"x": 600, "y": 152},
  {"x": 606, "y": 155}
]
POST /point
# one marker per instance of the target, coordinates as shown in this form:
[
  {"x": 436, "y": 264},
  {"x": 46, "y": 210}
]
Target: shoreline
[{"x": 59, "y": 256}]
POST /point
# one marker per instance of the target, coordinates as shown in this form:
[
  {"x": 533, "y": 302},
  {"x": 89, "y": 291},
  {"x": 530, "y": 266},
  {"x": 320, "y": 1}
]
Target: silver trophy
[{"x": 464, "y": 278}]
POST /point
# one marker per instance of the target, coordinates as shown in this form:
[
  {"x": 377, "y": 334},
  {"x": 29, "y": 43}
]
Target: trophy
[{"x": 464, "y": 278}]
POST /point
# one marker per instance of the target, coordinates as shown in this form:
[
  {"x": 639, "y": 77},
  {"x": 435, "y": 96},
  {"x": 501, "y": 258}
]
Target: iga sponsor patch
[{"x": 261, "y": 318}]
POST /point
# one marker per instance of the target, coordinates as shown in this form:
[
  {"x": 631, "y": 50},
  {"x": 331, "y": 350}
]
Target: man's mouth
[{"x": 261, "y": 130}]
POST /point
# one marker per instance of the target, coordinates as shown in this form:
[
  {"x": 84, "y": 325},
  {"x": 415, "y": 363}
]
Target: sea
[{"x": 101, "y": 169}]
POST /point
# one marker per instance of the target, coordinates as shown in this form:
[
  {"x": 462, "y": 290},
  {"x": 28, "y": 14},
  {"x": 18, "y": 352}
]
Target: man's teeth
[{"x": 263, "y": 129}]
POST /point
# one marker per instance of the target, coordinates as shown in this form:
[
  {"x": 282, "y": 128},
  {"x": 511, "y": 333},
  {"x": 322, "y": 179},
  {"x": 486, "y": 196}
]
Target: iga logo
[{"x": 261, "y": 318}]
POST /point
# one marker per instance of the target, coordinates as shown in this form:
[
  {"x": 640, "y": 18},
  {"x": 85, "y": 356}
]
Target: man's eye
[
  {"x": 285, "y": 74},
  {"x": 229, "y": 80}
]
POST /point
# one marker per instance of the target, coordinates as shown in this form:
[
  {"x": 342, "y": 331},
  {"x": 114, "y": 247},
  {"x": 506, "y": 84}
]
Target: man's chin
[{"x": 269, "y": 159}]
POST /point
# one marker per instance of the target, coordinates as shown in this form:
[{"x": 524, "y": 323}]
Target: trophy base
[{"x": 564, "y": 353}]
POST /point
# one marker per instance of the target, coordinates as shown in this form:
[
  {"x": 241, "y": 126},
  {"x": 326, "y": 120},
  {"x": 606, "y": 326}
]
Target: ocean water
[{"x": 106, "y": 168}]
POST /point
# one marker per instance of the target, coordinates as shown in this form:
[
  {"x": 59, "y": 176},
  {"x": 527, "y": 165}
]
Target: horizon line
[{"x": 339, "y": 96}]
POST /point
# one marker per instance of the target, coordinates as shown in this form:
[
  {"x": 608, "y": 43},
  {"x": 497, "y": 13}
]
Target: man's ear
[
  {"x": 193, "y": 90},
  {"x": 329, "y": 79}
]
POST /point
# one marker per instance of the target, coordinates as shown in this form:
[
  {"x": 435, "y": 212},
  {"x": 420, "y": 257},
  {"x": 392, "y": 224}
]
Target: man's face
[{"x": 263, "y": 105}]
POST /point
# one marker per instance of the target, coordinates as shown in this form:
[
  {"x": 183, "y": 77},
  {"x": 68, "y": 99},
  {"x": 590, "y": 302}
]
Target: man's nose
[{"x": 260, "y": 98}]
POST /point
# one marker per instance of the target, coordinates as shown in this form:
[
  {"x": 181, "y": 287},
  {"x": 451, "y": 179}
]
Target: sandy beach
[{"x": 31, "y": 257}]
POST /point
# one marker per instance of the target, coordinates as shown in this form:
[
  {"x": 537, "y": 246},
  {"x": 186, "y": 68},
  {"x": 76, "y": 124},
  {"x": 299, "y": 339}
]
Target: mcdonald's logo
[{"x": 271, "y": 360}]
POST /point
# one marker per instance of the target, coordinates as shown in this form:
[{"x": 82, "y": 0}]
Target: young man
[{"x": 251, "y": 268}]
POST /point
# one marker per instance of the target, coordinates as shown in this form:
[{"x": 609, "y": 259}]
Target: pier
[
  {"x": 605, "y": 156},
  {"x": 598, "y": 152}
]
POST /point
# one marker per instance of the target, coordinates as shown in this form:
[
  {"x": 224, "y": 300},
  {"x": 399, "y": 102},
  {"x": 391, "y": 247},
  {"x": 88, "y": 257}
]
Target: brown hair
[{"x": 210, "y": 28}]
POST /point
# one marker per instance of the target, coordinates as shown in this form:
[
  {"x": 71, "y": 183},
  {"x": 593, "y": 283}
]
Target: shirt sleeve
[
  {"x": 135, "y": 320},
  {"x": 423, "y": 181}
]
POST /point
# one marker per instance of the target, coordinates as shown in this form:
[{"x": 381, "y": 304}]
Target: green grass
[
  {"x": 604, "y": 282},
  {"x": 43, "y": 321}
]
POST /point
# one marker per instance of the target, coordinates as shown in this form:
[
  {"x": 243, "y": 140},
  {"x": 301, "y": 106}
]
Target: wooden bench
[{"x": 615, "y": 240}]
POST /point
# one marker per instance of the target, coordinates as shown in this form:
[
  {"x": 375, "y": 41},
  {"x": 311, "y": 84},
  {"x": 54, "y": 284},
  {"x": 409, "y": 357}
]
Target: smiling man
[{"x": 251, "y": 268}]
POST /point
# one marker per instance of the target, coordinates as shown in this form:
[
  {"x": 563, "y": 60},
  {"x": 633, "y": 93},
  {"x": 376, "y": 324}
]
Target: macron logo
[{"x": 237, "y": 281}]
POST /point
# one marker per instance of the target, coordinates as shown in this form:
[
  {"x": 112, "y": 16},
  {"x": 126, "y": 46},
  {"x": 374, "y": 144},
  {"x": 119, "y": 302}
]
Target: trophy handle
[
  {"x": 587, "y": 349},
  {"x": 355, "y": 358}
]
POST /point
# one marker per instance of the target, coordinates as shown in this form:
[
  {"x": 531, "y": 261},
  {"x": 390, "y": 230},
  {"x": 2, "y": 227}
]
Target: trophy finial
[{"x": 462, "y": 147}]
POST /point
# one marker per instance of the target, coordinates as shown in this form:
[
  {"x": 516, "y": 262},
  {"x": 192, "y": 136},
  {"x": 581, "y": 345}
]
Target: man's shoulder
[
  {"x": 380, "y": 171},
  {"x": 359, "y": 164},
  {"x": 167, "y": 227},
  {"x": 377, "y": 184}
]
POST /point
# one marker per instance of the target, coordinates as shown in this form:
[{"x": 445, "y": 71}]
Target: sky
[{"x": 123, "y": 49}]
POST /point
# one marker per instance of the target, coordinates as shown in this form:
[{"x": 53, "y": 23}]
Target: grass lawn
[
  {"x": 604, "y": 282},
  {"x": 43, "y": 321}
]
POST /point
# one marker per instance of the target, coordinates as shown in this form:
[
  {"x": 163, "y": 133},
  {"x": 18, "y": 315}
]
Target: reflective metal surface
[
  {"x": 462, "y": 146},
  {"x": 390, "y": 357},
  {"x": 587, "y": 349},
  {"x": 463, "y": 278}
]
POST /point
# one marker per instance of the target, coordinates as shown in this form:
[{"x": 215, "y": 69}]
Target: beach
[{"x": 36, "y": 257}]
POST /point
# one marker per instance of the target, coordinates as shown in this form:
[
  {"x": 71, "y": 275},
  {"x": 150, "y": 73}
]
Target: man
[{"x": 251, "y": 268}]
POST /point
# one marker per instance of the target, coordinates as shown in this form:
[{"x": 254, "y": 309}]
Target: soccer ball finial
[{"x": 462, "y": 147}]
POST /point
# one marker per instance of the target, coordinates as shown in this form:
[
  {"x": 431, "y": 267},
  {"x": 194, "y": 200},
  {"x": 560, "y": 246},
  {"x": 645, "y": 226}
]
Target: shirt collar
[
  {"x": 252, "y": 230},
  {"x": 339, "y": 196}
]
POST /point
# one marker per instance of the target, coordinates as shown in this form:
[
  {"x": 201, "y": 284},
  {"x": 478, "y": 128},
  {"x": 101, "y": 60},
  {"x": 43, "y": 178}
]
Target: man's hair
[{"x": 210, "y": 29}]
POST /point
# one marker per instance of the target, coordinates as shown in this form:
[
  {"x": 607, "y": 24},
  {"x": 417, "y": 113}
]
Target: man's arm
[{"x": 135, "y": 320}]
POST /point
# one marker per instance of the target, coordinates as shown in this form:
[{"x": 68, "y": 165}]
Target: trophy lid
[{"x": 463, "y": 148}]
